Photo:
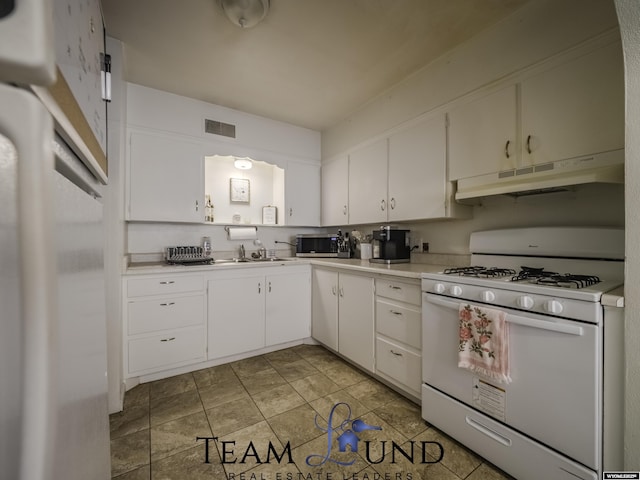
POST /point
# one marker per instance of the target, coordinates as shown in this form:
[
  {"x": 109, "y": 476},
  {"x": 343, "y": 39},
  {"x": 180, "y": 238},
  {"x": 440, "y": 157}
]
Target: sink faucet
[{"x": 242, "y": 252}]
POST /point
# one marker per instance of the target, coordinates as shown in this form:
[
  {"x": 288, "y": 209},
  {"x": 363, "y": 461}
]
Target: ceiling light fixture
[
  {"x": 242, "y": 163},
  {"x": 245, "y": 13}
]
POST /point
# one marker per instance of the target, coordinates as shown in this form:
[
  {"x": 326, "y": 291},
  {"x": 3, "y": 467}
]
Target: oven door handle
[{"x": 516, "y": 319}]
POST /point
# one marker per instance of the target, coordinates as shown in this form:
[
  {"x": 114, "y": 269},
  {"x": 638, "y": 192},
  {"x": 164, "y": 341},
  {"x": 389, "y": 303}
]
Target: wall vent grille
[{"x": 219, "y": 128}]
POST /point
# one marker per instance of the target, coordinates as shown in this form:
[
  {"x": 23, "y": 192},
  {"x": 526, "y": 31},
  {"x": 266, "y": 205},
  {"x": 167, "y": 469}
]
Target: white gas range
[{"x": 549, "y": 281}]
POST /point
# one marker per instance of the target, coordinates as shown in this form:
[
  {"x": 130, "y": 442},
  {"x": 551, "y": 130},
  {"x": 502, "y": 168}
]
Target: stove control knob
[
  {"x": 525, "y": 301},
  {"x": 438, "y": 288},
  {"x": 456, "y": 290},
  {"x": 487, "y": 296},
  {"x": 553, "y": 306}
]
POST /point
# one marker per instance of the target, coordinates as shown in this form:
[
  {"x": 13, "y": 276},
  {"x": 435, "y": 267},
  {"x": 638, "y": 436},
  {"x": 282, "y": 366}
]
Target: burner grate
[
  {"x": 480, "y": 272},
  {"x": 566, "y": 280}
]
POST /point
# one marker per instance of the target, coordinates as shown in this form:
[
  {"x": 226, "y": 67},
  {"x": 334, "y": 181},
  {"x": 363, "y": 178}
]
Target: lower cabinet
[
  {"x": 343, "y": 313},
  {"x": 179, "y": 320},
  {"x": 165, "y": 322},
  {"x": 399, "y": 333},
  {"x": 247, "y": 311}
]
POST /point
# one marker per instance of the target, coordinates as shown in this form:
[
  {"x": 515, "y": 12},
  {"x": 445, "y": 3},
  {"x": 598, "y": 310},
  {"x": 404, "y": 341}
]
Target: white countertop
[
  {"x": 614, "y": 298},
  {"x": 407, "y": 270}
]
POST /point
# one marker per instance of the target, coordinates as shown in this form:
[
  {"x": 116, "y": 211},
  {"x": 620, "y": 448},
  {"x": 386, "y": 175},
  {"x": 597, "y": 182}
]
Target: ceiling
[{"x": 309, "y": 63}]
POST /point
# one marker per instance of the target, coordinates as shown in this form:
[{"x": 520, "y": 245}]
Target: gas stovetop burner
[
  {"x": 480, "y": 272},
  {"x": 566, "y": 280}
]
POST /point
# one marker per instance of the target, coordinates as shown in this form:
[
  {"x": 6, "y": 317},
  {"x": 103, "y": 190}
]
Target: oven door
[{"x": 555, "y": 393}]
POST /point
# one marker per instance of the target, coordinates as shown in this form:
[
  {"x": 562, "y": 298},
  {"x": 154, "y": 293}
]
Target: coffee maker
[{"x": 390, "y": 245}]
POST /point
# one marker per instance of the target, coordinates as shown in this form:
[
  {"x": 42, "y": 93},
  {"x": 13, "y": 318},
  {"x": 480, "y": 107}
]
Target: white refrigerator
[{"x": 53, "y": 386}]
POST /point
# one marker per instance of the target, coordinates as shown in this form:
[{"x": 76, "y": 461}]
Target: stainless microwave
[{"x": 317, "y": 245}]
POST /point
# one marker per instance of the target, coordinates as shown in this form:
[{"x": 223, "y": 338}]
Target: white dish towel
[{"x": 484, "y": 342}]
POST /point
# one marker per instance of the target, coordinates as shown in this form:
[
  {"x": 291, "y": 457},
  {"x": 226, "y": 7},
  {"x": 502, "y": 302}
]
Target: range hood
[{"x": 607, "y": 167}]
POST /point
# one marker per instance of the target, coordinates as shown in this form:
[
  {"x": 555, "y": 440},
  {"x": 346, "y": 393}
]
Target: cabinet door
[
  {"x": 576, "y": 109},
  {"x": 236, "y": 315},
  {"x": 417, "y": 171},
  {"x": 356, "y": 319},
  {"x": 482, "y": 135},
  {"x": 166, "y": 181},
  {"x": 368, "y": 184},
  {"x": 302, "y": 194},
  {"x": 335, "y": 191},
  {"x": 288, "y": 307},
  {"x": 324, "y": 307}
]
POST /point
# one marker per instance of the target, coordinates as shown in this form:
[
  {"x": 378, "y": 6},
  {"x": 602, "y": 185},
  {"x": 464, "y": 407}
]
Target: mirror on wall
[{"x": 243, "y": 190}]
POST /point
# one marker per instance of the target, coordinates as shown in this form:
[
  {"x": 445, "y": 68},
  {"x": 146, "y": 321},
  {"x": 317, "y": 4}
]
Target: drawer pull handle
[
  {"x": 168, "y": 339},
  {"x": 395, "y": 313},
  {"x": 167, "y": 283},
  {"x": 394, "y": 287},
  {"x": 488, "y": 432},
  {"x": 167, "y": 304},
  {"x": 396, "y": 353}
]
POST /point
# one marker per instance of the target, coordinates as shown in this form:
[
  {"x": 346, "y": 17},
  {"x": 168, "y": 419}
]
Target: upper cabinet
[
  {"x": 402, "y": 177},
  {"x": 302, "y": 194},
  {"x": 575, "y": 109},
  {"x": 368, "y": 201},
  {"x": 166, "y": 179},
  {"x": 483, "y": 135},
  {"x": 572, "y": 110},
  {"x": 417, "y": 171},
  {"x": 335, "y": 191}
]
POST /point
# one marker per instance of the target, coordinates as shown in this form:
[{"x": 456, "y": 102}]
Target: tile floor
[{"x": 261, "y": 403}]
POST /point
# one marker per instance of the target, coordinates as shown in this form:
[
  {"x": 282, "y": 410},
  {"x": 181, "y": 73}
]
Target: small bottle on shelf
[{"x": 208, "y": 209}]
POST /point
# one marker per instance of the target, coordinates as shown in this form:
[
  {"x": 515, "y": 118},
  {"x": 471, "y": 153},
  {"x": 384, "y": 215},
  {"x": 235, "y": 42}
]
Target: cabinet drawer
[
  {"x": 164, "y": 351},
  {"x": 165, "y": 313},
  {"x": 399, "y": 321},
  {"x": 139, "y": 287},
  {"x": 404, "y": 292},
  {"x": 399, "y": 363}
]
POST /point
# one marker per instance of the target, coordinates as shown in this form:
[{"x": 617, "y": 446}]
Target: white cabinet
[
  {"x": 324, "y": 307},
  {"x": 302, "y": 194},
  {"x": 572, "y": 110},
  {"x": 402, "y": 177},
  {"x": 164, "y": 318},
  {"x": 399, "y": 333},
  {"x": 343, "y": 314},
  {"x": 482, "y": 135},
  {"x": 166, "y": 179},
  {"x": 368, "y": 183},
  {"x": 335, "y": 191},
  {"x": 417, "y": 171},
  {"x": 248, "y": 311},
  {"x": 575, "y": 109},
  {"x": 288, "y": 307},
  {"x": 236, "y": 315}
]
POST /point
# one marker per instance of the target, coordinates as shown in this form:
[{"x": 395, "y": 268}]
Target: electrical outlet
[{"x": 425, "y": 247}]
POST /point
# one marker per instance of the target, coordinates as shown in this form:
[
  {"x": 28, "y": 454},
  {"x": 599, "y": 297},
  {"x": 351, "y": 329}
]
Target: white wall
[
  {"x": 629, "y": 15},
  {"x": 153, "y": 238}
]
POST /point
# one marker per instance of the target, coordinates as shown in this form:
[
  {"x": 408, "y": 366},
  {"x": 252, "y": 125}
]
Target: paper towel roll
[{"x": 242, "y": 233}]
